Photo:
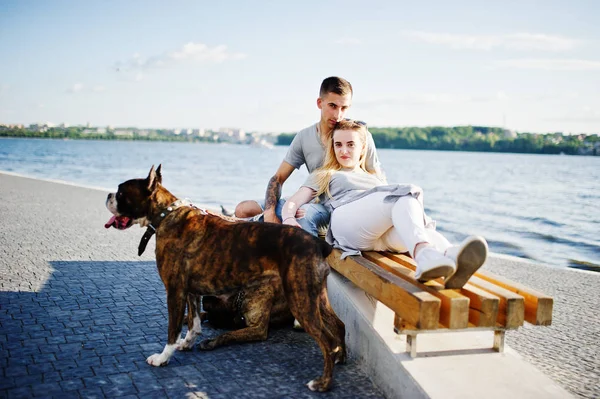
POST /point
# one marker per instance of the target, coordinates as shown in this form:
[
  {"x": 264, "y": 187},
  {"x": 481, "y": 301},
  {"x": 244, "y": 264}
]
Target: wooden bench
[{"x": 486, "y": 302}]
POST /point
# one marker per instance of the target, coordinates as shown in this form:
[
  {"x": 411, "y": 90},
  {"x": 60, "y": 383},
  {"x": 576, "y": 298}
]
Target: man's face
[{"x": 333, "y": 107}]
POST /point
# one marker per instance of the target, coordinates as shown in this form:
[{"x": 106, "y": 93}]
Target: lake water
[{"x": 539, "y": 207}]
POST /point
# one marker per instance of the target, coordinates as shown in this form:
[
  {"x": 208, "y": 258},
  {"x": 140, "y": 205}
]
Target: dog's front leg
[{"x": 176, "y": 301}]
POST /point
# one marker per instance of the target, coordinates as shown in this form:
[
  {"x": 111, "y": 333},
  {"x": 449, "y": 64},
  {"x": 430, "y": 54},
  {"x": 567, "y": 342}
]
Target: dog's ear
[
  {"x": 159, "y": 174},
  {"x": 153, "y": 179}
]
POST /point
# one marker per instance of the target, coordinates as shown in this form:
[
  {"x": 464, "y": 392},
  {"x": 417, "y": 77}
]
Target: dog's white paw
[
  {"x": 185, "y": 344},
  {"x": 157, "y": 360},
  {"x": 319, "y": 384}
]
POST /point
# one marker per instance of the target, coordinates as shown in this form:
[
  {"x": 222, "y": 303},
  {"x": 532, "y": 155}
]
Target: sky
[{"x": 529, "y": 66}]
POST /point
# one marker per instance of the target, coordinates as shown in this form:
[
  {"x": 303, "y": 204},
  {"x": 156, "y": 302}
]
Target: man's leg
[
  {"x": 316, "y": 217},
  {"x": 260, "y": 217}
]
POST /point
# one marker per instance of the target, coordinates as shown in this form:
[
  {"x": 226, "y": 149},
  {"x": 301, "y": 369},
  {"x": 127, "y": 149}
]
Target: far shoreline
[{"x": 193, "y": 141}]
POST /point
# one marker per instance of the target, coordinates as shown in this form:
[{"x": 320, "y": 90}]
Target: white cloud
[
  {"x": 501, "y": 96},
  {"x": 550, "y": 64},
  {"x": 433, "y": 99},
  {"x": 575, "y": 119},
  {"x": 415, "y": 99},
  {"x": 348, "y": 41},
  {"x": 194, "y": 52},
  {"x": 76, "y": 88},
  {"x": 81, "y": 88},
  {"x": 514, "y": 41},
  {"x": 201, "y": 52},
  {"x": 436, "y": 98}
]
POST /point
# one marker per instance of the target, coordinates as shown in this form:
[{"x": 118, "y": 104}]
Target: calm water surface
[{"x": 540, "y": 207}]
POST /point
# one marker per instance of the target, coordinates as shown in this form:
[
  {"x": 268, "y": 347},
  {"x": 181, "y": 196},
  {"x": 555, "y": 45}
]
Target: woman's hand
[
  {"x": 291, "y": 209},
  {"x": 291, "y": 221}
]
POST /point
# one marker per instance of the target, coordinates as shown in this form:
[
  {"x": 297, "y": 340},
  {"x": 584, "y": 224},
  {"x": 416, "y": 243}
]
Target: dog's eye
[{"x": 118, "y": 194}]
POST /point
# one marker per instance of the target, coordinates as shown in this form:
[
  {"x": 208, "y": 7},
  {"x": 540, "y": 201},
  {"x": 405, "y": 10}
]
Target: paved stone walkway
[
  {"x": 80, "y": 312},
  {"x": 568, "y": 351}
]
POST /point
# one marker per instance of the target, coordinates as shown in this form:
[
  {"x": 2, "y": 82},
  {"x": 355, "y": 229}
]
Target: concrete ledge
[{"x": 448, "y": 365}]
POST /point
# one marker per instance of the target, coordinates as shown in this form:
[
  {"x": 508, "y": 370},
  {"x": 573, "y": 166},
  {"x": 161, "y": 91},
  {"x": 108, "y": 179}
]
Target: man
[{"x": 308, "y": 148}]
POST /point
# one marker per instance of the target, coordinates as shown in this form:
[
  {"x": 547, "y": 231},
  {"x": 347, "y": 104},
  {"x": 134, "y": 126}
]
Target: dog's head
[{"x": 131, "y": 203}]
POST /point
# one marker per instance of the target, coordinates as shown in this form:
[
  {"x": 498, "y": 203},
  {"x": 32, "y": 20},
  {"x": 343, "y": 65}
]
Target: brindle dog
[{"x": 200, "y": 254}]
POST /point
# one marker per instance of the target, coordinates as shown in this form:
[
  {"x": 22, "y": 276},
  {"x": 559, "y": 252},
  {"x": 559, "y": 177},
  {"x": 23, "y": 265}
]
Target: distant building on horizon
[{"x": 509, "y": 134}]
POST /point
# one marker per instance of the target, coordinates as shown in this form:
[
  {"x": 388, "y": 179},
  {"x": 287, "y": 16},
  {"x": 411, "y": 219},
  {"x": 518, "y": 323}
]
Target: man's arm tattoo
[{"x": 273, "y": 193}]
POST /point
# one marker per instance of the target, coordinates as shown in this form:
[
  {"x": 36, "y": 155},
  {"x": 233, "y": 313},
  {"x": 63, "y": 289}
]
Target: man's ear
[
  {"x": 152, "y": 179},
  {"x": 320, "y": 103}
]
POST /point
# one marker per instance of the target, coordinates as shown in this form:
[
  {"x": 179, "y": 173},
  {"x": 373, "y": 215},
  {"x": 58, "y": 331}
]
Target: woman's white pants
[{"x": 369, "y": 224}]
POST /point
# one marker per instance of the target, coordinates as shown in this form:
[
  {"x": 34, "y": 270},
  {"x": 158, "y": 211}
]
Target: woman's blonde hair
[{"x": 331, "y": 164}]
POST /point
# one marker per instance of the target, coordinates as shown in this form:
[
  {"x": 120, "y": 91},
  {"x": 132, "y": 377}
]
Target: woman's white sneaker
[
  {"x": 432, "y": 264},
  {"x": 469, "y": 256}
]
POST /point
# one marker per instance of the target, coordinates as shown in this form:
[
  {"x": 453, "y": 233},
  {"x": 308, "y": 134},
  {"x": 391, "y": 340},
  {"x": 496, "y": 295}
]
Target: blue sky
[{"x": 531, "y": 66}]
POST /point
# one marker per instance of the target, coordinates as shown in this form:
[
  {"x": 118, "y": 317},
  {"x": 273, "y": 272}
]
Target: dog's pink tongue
[
  {"x": 110, "y": 222},
  {"x": 118, "y": 222}
]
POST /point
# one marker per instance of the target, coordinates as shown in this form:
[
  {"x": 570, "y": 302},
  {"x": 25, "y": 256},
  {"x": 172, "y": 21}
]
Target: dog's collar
[{"x": 151, "y": 230}]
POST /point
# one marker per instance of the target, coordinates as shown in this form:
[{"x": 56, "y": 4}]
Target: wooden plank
[
  {"x": 411, "y": 303},
  {"x": 454, "y": 309},
  {"x": 483, "y": 306},
  {"x": 538, "y": 306},
  {"x": 402, "y": 259},
  {"x": 511, "y": 309}
]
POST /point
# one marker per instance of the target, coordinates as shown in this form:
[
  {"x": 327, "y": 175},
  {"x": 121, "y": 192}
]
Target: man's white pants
[{"x": 369, "y": 224}]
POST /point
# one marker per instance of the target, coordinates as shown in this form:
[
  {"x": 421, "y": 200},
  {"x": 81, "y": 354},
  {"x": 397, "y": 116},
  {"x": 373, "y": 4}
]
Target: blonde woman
[{"x": 369, "y": 214}]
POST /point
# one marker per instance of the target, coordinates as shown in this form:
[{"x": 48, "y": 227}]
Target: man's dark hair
[{"x": 333, "y": 84}]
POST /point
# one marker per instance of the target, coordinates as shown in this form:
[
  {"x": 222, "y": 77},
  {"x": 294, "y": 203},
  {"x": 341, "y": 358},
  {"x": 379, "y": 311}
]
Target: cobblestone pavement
[
  {"x": 80, "y": 312},
  {"x": 568, "y": 351}
]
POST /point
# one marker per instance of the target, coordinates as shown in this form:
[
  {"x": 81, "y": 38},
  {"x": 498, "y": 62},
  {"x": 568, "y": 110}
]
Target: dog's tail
[{"x": 325, "y": 248}]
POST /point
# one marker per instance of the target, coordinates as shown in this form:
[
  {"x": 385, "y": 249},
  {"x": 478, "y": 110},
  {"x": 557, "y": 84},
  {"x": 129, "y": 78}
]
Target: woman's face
[{"x": 348, "y": 147}]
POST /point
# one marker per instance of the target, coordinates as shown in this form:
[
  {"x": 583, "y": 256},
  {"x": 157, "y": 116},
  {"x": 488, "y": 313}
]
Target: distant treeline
[
  {"x": 458, "y": 138},
  {"x": 477, "y": 138},
  {"x": 76, "y": 133}
]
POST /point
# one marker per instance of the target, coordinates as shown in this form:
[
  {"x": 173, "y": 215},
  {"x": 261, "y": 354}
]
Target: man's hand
[
  {"x": 271, "y": 216},
  {"x": 300, "y": 213}
]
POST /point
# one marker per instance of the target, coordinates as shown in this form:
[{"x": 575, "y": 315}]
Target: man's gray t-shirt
[{"x": 307, "y": 149}]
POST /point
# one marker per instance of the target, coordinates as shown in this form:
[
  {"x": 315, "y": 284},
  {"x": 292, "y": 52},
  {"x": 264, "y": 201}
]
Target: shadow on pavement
[{"x": 88, "y": 331}]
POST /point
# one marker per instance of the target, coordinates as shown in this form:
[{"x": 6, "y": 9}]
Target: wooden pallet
[{"x": 486, "y": 302}]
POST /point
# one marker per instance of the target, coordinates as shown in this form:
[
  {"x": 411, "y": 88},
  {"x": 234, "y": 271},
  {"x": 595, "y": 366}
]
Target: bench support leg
[
  {"x": 411, "y": 345},
  {"x": 398, "y": 323},
  {"x": 499, "y": 340}
]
